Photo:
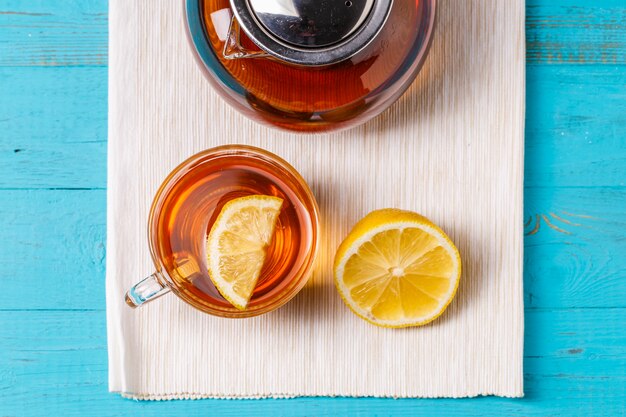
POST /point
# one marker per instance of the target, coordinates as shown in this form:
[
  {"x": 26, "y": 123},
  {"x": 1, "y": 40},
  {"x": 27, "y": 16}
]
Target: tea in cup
[{"x": 192, "y": 200}]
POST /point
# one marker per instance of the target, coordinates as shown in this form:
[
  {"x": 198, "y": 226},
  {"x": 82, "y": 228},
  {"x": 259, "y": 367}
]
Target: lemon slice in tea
[
  {"x": 397, "y": 269},
  {"x": 237, "y": 244}
]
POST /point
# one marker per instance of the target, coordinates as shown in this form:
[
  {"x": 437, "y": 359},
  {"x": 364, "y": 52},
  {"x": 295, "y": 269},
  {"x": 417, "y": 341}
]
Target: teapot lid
[{"x": 311, "y": 32}]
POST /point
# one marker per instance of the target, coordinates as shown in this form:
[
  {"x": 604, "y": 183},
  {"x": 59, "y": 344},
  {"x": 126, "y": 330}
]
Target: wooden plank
[
  {"x": 574, "y": 259},
  {"x": 53, "y": 33},
  {"x": 53, "y": 127},
  {"x": 57, "y": 361},
  {"x": 52, "y": 252},
  {"x": 74, "y": 33},
  {"x": 575, "y": 126},
  {"x": 576, "y": 32},
  {"x": 574, "y": 247},
  {"x": 55, "y": 118}
]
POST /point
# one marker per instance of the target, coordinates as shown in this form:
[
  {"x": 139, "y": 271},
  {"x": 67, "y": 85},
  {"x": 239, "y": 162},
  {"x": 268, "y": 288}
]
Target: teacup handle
[{"x": 148, "y": 289}]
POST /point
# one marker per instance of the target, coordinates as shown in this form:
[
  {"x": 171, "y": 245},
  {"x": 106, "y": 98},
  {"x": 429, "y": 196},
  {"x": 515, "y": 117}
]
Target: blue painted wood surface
[{"x": 53, "y": 129}]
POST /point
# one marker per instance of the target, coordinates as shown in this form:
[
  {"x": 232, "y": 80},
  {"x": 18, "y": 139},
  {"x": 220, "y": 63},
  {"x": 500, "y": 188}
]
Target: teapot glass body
[{"x": 301, "y": 80}]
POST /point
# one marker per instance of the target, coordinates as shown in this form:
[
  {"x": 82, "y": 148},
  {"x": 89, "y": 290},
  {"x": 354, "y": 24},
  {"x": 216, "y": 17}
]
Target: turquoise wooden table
[{"x": 53, "y": 132}]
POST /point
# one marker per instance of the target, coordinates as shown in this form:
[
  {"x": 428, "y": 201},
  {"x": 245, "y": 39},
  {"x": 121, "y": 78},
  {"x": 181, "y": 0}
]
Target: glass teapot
[{"x": 310, "y": 65}]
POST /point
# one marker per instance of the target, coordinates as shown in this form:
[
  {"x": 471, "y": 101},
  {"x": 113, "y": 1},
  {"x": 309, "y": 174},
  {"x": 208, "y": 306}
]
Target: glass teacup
[{"x": 185, "y": 208}]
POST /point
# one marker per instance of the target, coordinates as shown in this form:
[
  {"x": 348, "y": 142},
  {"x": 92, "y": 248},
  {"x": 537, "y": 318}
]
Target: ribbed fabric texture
[{"x": 451, "y": 149}]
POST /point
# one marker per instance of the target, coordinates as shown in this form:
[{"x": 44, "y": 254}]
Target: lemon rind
[
  {"x": 219, "y": 227},
  {"x": 344, "y": 253}
]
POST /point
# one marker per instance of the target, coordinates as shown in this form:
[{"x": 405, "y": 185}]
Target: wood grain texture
[
  {"x": 574, "y": 259},
  {"x": 576, "y": 136},
  {"x": 575, "y": 31},
  {"x": 74, "y": 32},
  {"x": 53, "y": 33},
  {"x": 575, "y": 126},
  {"x": 569, "y": 363},
  {"x": 53, "y": 124},
  {"x": 56, "y": 255},
  {"x": 59, "y": 236}
]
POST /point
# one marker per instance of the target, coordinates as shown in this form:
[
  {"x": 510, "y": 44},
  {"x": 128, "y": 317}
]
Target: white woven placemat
[{"x": 451, "y": 148}]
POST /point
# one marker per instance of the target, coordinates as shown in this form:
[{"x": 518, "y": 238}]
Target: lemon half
[
  {"x": 237, "y": 245},
  {"x": 397, "y": 269}
]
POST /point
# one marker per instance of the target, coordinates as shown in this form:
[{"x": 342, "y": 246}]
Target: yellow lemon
[
  {"x": 237, "y": 245},
  {"x": 397, "y": 269}
]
